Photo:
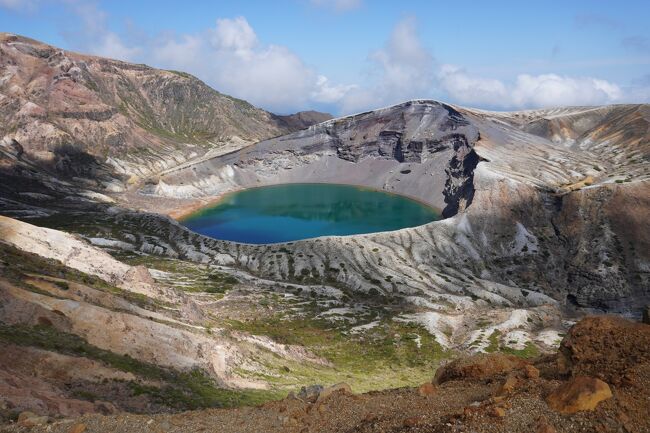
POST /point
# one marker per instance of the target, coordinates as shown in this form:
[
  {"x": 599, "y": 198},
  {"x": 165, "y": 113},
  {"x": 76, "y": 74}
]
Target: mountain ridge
[
  {"x": 57, "y": 102},
  {"x": 545, "y": 216}
]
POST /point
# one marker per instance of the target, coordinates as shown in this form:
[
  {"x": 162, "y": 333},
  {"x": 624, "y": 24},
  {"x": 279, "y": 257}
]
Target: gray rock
[{"x": 310, "y": 393}]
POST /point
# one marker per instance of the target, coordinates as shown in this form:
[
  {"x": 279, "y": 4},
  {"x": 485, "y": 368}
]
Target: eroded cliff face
[
  {"x": 459, "y": 186},
  {"x": 404, "y": 149}
]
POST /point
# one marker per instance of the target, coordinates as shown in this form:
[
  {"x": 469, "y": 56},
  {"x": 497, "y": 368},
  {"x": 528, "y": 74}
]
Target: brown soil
[{"x": 472, "y": 403}]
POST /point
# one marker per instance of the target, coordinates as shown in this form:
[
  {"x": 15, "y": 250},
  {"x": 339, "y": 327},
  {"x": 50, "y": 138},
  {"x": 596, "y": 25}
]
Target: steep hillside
[
  {"x": 545, "y": 220},
  {"x": 540, "y": 215},
  {"x": 589, "y": 386},
  {"x": 88, "y": 117}
]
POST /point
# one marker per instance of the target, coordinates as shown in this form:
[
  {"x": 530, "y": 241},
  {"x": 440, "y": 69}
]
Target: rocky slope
[
  {"x": 534, "y": 221},
  {"x": 96, "y": 118},
  {"x": 581, "y": 389},
  {"x": 545, "y": 220},
  {"x": 63, "y": 301},
  {"x": 535, "y": 216}
]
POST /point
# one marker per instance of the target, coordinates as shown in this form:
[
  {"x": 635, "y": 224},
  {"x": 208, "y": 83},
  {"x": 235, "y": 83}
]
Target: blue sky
[{"x": 344, "y": 56}]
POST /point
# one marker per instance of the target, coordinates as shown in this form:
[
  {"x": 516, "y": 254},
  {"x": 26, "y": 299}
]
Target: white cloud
[
  {"x": 551, "y": 90},
  {"x": 330, "y": 93},
  {"x": 184, "y": 52},
  {"x": 272, "y": 76},
  {"x": 18, "y": 5},
  {"x": 465, "y": 89},
  {"x": 234, "y": 34},
  {"x": 230, "y": 57},
  {"x": 404, "y": 70},
  {"x": 110, "y": 45},
  {"x": 528, "y": 91},
  {"x": 407, "y": 71},
  {"x": 338, "y": 5}
]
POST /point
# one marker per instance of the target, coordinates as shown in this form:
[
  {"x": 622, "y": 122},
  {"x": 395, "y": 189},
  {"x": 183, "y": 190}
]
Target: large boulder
[
  {"x": 580, "y": 393},
  {"x": 480, "y": 366},
  {"x": 604, "y": 347}
]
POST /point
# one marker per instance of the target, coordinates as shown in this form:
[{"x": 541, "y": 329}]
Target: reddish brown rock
[
  {"x": 543, "y": 426},
  {"x": 78, "y": 428},
  {"x": 481, "y": 366},
  {"x": 509, "y": 386},
  {"x": 579, "y": 394},
  {"x": 426, "y": 389},
  {"x": 411, "y": 422},
  {"x": 497, "y": 412},
  {"x": 531, "y": 372},
  {"x": 604, "y": 346}
]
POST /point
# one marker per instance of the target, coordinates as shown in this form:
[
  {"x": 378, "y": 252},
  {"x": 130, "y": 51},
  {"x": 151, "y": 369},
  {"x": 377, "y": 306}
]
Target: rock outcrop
[
  {"x": 479, "y": 367},
  {"x": 604, "y": 347}
]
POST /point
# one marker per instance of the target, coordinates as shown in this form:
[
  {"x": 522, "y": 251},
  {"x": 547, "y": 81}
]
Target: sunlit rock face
[{"x": 420, "y": 149}]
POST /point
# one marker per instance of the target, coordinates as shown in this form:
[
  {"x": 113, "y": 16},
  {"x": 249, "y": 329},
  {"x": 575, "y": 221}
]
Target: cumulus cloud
[
  {"x": 178, "y": 53},
  {"x": 234, "y": 34},
  {"x": 527, "y": 91},
  {"x": 231, "y": 58},
  {"x": 467, "y": 89},
  {"x": 328, "y": 93},
  {"x": 550, "y": 89},
  {"x": 403, "y": 69},
  {"x": 338, "y": 5},
  {"x": 18, "y": 5}
]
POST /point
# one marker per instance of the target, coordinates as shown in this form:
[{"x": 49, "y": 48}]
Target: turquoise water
[{"x": 290, "y": 212}]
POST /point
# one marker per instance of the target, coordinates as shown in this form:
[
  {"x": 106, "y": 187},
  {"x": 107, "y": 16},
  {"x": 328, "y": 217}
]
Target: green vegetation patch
[
  {"x": 391, "y": 354},
  {"x": 529, "y": 351}
]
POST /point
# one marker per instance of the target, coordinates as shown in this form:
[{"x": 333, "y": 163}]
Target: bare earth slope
[{"x": 495, "y": 394}]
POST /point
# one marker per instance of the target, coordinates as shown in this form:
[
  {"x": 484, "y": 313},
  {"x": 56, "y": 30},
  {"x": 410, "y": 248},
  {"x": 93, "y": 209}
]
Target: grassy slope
[{"x": 391, "y": 354}]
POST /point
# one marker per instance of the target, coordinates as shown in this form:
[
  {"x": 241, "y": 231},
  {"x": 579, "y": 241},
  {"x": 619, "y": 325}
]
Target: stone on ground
[
  {"x": 582, "y": 393},
  {"x": 479, "y": 366}
]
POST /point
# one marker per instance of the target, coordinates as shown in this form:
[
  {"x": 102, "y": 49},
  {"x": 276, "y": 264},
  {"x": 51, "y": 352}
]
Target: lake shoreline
[
  {"x": 294, "y": 211},
  {"x": 184, "y": 212}
]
